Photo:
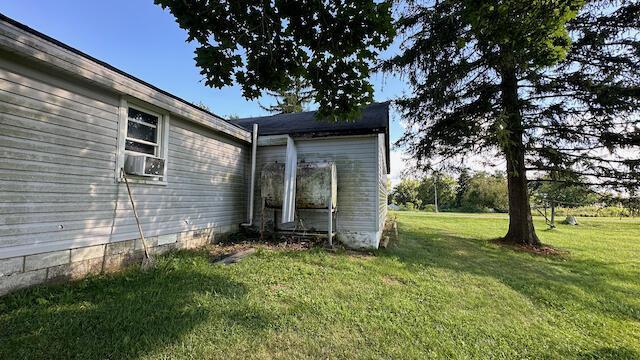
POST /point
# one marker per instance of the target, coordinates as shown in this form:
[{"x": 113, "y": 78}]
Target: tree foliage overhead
[
  {"x": 583, "y": 115},
  {"x": 552, "y": 85},
  {"x": 266, "y": 45}
]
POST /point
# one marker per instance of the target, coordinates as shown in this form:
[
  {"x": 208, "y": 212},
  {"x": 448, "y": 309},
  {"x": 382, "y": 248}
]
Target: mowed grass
[{"x": 443, "y": 291}]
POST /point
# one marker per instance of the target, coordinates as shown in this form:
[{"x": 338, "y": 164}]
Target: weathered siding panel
[
  {"x": 357, "y": 169},
  {"x": 58, "y": 142}
]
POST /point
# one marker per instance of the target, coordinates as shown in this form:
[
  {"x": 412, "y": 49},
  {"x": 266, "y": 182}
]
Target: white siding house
[
  {"x": 359, "y": 151},
  {"x": 68, "y": 122},
  {"x": 58, "y": 143}
]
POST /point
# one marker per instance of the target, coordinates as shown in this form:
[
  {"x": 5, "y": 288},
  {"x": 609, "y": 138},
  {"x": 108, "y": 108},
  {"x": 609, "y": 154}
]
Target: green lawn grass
[{"x": 443, "y": 291}]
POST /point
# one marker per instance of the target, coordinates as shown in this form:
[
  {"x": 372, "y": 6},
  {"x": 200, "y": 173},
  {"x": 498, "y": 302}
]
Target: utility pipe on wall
[
  {"x": 289, "y": 191},
  {"x": 252, "y": 186}
]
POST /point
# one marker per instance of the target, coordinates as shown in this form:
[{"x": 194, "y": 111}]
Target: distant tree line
[
  {"x": 470, "y": 192},
  {"x": 482, "y": 191}
]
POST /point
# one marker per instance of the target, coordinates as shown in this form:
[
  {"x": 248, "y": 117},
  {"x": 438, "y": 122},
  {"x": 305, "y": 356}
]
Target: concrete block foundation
[{"x": 74, "y": 264}]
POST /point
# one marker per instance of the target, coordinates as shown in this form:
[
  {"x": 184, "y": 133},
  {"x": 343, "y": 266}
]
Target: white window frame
[{"x": 162, "y": 138}]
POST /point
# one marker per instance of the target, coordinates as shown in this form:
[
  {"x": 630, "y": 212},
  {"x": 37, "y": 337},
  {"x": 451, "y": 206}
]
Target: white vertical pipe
[
  {"x": 252, "y": 186},
  {"x": 289, "y": 192}
]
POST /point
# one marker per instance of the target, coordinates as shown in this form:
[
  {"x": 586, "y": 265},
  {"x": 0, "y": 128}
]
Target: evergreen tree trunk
[{"x": 521, "y": 230}]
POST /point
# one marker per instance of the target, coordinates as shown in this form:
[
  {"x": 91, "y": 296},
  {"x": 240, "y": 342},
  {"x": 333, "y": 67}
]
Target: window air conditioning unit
[{"x": 143, "y": 165}]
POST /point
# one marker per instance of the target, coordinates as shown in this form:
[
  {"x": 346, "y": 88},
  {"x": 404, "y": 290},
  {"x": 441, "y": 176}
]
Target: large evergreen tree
[
  {"x": 552, "y": 85},
  {"x": 265, "y": 45},
  {"x": 292, "y": 99}
]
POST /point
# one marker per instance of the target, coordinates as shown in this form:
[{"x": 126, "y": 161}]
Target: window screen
[{"x": 142, "y": 132}]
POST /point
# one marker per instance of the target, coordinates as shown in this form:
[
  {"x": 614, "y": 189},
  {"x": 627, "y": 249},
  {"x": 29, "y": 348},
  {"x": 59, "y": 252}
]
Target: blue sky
[{"x": 140, "y": 38}]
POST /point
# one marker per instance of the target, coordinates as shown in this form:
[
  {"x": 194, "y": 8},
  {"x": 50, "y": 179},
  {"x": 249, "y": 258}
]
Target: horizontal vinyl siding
[
  {"x": 356, "y": 168},
  {"x": 57, "y": 160},
  {"x": 29, "y": 46}
]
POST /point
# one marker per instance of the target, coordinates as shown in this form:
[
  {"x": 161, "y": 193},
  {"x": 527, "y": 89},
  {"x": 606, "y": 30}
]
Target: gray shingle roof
[{"x": 374, "y": 120}]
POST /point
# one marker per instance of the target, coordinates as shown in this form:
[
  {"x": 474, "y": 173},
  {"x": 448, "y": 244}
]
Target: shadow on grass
[
  {"x": 121, "y": 316},
  {"x": 556, "y": 281},
  {"x": 611, "y": 353}
]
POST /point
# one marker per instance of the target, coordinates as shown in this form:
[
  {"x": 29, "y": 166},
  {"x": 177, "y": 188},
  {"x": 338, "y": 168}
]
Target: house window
[{"x": 143, "y": 130}]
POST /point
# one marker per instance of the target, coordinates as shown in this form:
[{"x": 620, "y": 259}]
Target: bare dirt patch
[
  {"x": 241, "y": 242},
  {"x": 223, "y": 249},
  {"x": 390, "y": 280},
  {"x": 543, "y": 250},
  {"x": 278, "y": 287}
]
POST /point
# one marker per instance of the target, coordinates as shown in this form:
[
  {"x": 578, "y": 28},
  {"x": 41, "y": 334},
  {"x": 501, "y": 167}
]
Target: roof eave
[
  {"x": 26, "y": 42},
  {"x": 328, "y": 133}
]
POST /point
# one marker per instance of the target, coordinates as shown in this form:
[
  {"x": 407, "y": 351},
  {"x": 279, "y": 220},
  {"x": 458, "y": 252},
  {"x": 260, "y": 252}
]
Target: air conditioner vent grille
[{"x": 144, "y": 165}]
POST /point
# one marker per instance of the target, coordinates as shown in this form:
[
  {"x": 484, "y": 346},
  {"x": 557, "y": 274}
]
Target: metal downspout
[{"x": 252, "y": 186}]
